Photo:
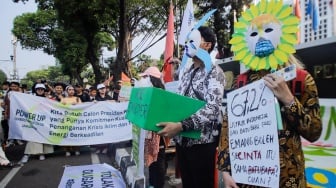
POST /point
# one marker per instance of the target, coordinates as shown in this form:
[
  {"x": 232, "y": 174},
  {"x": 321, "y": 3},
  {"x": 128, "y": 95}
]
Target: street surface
[{"x": 48, "y": 173}]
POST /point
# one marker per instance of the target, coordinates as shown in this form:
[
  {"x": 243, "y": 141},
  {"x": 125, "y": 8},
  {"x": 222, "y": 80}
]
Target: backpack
[{"x": 297, "y": 83}]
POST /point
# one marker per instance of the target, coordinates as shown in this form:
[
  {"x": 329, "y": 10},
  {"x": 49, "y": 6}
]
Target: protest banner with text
[
  {"x": 43, "y": 120},
  {"x": 95, "y": 175}
]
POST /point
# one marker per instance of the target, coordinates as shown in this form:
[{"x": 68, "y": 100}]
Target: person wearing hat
[
  {"x": 34, "y": 148},
  {"x": 155, "y": 145},
  {"x": 102, "y": 96},
  {"x": 102, "y": 93},
  {"x": 299, "y": 117}
]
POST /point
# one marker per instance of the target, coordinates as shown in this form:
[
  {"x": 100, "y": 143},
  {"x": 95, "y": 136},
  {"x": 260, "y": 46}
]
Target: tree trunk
[
  {"x": 219, "y": 28},
  {"x": 94, "y": 61},
  {"x": 124, "y": 44}
]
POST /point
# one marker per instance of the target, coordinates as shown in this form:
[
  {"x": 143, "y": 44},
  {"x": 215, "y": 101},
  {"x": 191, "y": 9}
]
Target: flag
[
  {"x": 297, "y": 12},
  {"x": 169, "y": 49},
  {"x": 313, "y": 11},
  {"x": 187, "y": 22}
]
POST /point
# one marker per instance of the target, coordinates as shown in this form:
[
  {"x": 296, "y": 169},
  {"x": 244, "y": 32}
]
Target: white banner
[
  {"x": 96, "y": 175},
  {"x": 43, "y": 120},
  {"x": 253, "y": 135}
]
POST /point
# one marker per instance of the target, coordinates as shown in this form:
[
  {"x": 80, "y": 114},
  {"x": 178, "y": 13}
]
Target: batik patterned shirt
[
  {"x": 301, "y": 119},
  {"x": 209, "y": 87}
]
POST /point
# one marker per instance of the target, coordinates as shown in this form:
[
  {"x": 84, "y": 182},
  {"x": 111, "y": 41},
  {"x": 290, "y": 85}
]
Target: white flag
[{"x": 187, "y": 22}]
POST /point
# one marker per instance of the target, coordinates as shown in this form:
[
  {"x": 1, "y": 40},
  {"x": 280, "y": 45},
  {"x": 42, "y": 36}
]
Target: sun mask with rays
[{"x": 265, "y": 35}]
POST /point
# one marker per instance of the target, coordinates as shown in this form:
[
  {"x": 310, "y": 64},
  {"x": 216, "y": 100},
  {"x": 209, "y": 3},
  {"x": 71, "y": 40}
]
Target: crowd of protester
[{"x": 61, "y": 92}]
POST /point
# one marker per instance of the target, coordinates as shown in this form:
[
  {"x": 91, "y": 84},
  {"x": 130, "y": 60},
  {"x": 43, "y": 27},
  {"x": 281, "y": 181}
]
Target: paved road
[{"x": 48, "y": 173}]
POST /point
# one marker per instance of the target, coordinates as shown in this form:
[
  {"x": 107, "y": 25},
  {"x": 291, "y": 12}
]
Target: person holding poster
[
  {"x": 268, "y": 41},
  {"x": 203, "y": 81},
  {"x": 58, "y": 91},
  {"x": 102, "y": 96},
  {"x": 34, "y": 148},
  {"x": 14, "y": 86},
  {"x": 71, "y": 99}
]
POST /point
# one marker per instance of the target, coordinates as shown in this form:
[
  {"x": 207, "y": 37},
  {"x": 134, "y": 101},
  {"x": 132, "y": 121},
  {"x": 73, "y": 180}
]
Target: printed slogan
[
  {"x": 95, "y": 175},
  {"x": 253, "y": 137},
  {"x": 43, "y": 120}
]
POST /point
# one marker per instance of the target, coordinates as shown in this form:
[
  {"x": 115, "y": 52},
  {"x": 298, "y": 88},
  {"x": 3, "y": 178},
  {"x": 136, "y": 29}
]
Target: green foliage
[
  {"x": 52, "y": 75},
  {"x": 3, "y": 76},
  {"x": 35, "y": 30},
  {"x": 72, "y": 31}
]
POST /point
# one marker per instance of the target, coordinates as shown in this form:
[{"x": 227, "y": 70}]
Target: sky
[{"x": 27, "y": 60}]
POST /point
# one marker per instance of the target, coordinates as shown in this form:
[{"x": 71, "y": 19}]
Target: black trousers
[
  {"x": 5, "y": 127},
  {"x": 197, "y": 165},
  {"x": 157, "y": 170}
]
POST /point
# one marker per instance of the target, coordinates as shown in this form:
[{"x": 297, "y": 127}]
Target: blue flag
[{"x": 313, "y": 11}]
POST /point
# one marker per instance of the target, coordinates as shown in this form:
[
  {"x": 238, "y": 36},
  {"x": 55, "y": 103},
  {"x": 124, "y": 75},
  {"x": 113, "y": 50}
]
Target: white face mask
[
  {"x": 143, "y": 82},
  {"x": 193, "y": 43},
  {"x": 263, "y": 40}
]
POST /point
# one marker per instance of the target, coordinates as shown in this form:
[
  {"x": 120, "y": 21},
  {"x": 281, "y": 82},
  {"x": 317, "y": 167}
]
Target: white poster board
[
  {"x": 95, "y": 175},
  {"x": 253, "y": 135}
]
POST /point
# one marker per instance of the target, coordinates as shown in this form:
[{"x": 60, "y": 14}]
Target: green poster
[{"x": 149, "y": 106}]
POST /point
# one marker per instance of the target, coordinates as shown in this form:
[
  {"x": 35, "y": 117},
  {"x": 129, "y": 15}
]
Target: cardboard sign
[
  {"x": 253, "y": 135},
  {"x": 95, "y": 175},
  {"x": 149, "y": 106}
]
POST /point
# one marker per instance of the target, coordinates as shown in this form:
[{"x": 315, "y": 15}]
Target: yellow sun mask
[{"x": 265, "y": 35}]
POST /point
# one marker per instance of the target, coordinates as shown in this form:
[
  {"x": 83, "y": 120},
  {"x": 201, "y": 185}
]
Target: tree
[
  {"x": 81, "y": 22},
  {"x": 3, "y": 76},
  {"x": 69, "y": 30},
  {"x": 52, "y": 74},
  {"x": 86, "y": 20},
  {"x": 76, "y": 36},
  {"x": 135, "y": 18}
]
